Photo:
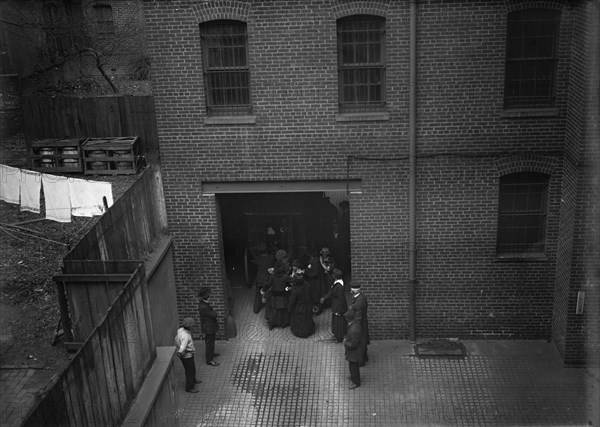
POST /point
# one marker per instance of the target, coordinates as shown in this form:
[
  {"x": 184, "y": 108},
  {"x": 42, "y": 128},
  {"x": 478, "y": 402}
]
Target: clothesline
[{"x": 64, "y": 196}]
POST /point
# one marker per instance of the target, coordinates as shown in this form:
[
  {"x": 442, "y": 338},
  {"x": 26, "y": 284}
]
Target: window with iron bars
[
  {"x": 522, "y": 213},
  {"x": 361, "y": 63},
  {"x": 532, "y": 36},
  {"x": 63, "y": 25},
  {"x": 104, "y": 19},
  {"x": 226, "y": 72}
]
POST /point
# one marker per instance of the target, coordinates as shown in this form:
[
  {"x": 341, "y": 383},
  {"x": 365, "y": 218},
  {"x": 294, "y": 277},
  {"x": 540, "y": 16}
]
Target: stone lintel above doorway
[{"x": 351, "y": 186}]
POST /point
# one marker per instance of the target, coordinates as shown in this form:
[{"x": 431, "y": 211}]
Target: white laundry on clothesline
[
  {"x": 64, "y": 196},
  {"x": 57, "y": 198},
  {"x": 89, "y": 198},
  {"x": 10, "y": 189},
  {"x": 31, "y": 185}
]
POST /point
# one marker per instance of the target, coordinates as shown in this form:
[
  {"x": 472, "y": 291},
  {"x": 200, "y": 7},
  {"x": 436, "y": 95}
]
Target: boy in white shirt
[{"x": 185, "y": 350}]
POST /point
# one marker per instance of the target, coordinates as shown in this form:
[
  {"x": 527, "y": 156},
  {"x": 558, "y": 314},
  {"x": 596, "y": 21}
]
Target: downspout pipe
[{"x": 412, "y": 155}]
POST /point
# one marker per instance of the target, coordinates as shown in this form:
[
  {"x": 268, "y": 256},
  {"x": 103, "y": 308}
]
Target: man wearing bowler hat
[{"x": 210, "y": 326}]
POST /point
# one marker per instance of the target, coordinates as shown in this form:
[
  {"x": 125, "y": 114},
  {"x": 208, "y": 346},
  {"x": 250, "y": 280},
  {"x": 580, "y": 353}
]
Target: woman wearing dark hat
[
  {"x": 208, "y": 319},
  {"x": 302, "y": 324},
  {"x": 353, "y": 347},
  {"x": 277, "y": 302},
  {"x": 186, "y": 351}
]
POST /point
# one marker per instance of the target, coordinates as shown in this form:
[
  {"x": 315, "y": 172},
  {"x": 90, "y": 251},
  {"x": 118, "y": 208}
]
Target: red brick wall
[{"x": 464, "y": 146}]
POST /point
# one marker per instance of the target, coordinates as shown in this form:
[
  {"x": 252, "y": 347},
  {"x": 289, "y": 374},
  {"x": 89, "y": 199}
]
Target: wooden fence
[
  {"x": 100, "y": 383},
  {"x": 129, "y": 228},
  {"x": 105, "y": 116},
  {"x": 86, "y": 289}
]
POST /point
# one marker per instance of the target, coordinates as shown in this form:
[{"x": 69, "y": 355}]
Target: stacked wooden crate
[
  {"x": 61, "y": 155},
  {"x": 111, "y": 155}
]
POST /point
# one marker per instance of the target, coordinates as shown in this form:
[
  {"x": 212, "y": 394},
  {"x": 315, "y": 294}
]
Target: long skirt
[
  {"x": 338, "y": 326},
  {"x": 278, "y": 314}
]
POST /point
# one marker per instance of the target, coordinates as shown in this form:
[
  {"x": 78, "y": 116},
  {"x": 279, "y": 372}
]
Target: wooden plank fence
[
  {"x": 128, "y": 229},
  {"x": 100, "y": 383},
  {"x": 104, "y": 116}
]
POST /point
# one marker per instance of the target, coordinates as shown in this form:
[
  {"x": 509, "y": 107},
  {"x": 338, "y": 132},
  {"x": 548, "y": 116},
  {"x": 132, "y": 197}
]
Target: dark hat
[
  {"x": 350, "y": 315},
  {"x": 204, "y": 292},
  {"x": 325, "y": 251},
  {"x": 344, "y": 203},
  {"x": 187, "y": 323},
  {"x": 355, "y": 284},
  {"x": 280, "y": 254},
  {"x": 296, "y": 263}
]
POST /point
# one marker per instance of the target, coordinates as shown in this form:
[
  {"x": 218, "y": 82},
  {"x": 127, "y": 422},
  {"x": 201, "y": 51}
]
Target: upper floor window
[
  {"x": 522, "y": 213},
  {"x": 226, "y": 72},
  {"x": 361, "y": 63},
  {"x": 532, "y": 37},
  {"x": 104, "y": 19},
  {"x": 62, "y": 23}
]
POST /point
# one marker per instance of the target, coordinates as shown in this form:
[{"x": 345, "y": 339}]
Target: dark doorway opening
[{"x": 300, "y": 223}]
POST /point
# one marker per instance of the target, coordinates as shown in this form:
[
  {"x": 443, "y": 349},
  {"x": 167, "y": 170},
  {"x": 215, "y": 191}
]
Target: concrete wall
[{"x": 466, "y": 141}]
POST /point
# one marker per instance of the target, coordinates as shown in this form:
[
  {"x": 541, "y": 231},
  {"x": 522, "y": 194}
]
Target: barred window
[
  {"x": 532, "y": 36},
  {"x": 226, "y": 72},
  {"x": 361, "y": 63},
  {"x": 522, "y": 213},
  {"x": 62, "y": 23},
  {"x": 104, "y": 19}
]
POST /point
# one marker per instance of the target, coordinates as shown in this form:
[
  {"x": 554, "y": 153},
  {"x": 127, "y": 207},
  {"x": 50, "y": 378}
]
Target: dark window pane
[
  {"x": 530, "y": 57},
  {"x": 522, "y": 212},
  {"x": 361, "y": 62},
  {"x": 225, "y": 65}
]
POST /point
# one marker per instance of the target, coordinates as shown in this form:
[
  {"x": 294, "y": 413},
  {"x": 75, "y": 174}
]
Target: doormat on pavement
[{"x": 440, "y": 348}]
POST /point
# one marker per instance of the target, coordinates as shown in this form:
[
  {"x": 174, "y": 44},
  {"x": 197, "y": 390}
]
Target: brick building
[{"x": 463, "y": 134}]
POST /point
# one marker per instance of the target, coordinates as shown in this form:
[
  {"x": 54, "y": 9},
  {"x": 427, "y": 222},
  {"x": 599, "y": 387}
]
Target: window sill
[
  {"x": 530, "y": 112},
  {"x": 363, "y": 117},
  {"x": 230, "y": 120},
  {"x": 522, "y": 257}
]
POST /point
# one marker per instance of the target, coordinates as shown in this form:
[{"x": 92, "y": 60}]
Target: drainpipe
[{"x": 412, "y": 135}]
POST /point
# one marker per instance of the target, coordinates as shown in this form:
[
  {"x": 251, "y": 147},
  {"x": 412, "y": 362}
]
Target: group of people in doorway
[{"x": 292, "y": 294}]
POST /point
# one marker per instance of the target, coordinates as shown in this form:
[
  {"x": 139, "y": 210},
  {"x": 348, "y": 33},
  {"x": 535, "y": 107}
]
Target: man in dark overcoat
[
  {"x": 353, "y": 347},
  {"x": 210, "y": 326},
  {"x": 358, "y": 303}
]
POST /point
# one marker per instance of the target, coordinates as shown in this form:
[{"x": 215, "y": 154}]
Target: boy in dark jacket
[{"x": 208, "y": 319}]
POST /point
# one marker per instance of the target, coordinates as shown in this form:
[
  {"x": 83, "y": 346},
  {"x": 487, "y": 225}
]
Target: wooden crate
[
  {"x": 111, "y": 156},
  {"x": 57, "y": 155}
]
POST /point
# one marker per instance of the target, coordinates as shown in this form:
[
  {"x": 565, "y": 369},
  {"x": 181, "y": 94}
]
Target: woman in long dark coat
[
  {"x": 319, "y": 277},
  {"x": 277, "y": 302},
  {"x": 300, "y": 307},
  {"x": 339, "y": 305}
]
